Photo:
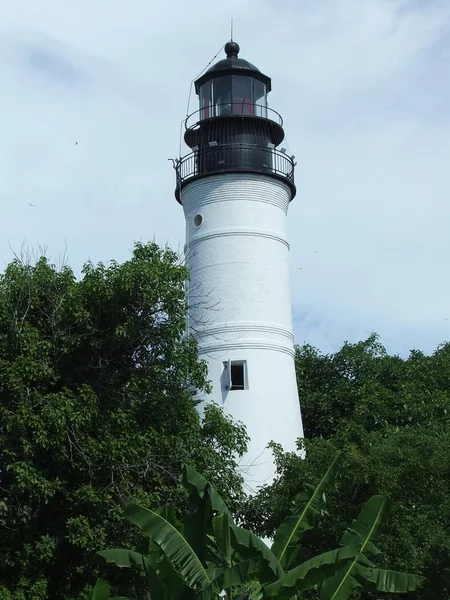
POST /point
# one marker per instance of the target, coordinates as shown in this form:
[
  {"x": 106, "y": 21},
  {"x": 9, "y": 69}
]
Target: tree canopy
[
  {"x": 97, "y": 406},
  {"x": 391, "y": 419}
]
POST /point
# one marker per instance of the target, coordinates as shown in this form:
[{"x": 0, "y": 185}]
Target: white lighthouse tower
[{"x": 235, "y": 187}]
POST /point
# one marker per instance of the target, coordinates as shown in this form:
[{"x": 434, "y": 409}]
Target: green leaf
[
  {"x": 248, "y": 545},
  {"x": 197, "y": 525},
  {"x": 293, "y": 527},
  {"x": 366, "y": 528},
  {"x": 234, "y": 576},
  {"x": 203, "y": 501},
  {"x": 172, "y": 542},
  {"x": 222, "y": 534},
  {"x": 169, "y": 580},
  {"x": 100, "y": 591},
  {"x": 394, "y": 582},
  {"x": 363, "y": 530},
  {"x": 124, "y": 558},
  {"x": 197, "y": 487},
  {"x": 339, "y": 587},
  {"x": 310, "y": 573},
  {"x": 127, "y": 558},
  {"x": 154, "y": 554},
  {"x": 168, "y": 512}
]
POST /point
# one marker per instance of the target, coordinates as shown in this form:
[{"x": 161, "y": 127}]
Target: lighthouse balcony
[
  {"x": 238, "y": 120},
  {"x": 235, "y": 158}
]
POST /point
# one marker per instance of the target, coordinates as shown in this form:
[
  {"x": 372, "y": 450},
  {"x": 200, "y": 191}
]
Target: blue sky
[{"x": 364, "y": 91}]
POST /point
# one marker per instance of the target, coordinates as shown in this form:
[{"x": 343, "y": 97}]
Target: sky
[{"x": 91, "y": 102}]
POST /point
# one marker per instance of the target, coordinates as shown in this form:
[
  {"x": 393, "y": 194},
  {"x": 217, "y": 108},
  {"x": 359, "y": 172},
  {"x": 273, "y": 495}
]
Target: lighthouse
[{"x": 235, "y": 184}]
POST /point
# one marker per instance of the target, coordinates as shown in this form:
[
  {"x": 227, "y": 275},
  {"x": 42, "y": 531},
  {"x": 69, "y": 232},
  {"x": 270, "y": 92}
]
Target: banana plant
[
  {"x": 184, "y": 557},
  {"x": 207, "y": 553}
]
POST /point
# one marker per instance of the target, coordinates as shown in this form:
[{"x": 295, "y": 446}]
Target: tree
[
  {"x": 391, "y": 419},
  {"x": 206, "y": 553},
  {"x": 97, "y": 406}
]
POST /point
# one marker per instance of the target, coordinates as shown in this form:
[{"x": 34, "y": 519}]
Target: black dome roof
[{"x": 232, "y": 65}]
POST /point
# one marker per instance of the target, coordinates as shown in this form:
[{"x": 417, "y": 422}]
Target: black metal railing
[
  {"x": 235, "y": 157},
  {"x": 236, "y": 108}
]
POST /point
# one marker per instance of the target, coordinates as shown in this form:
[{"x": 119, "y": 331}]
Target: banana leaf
[
  {"x": 395, "y": 582},
  {"x": 247, "y": 545},
  {"x": 124, "y": 558},
  {"x": 365, "y": 531},
  {"x": 235, "y": 576},
  {"x": 285, "y": 545},
  {"x": 127, "y": 559},
  {"x": 169, "y": 580},
  {"x": 172, "y": 543},
  {"x": 197, "y": 486},
  {"x": 310, "y": 573},
  {"x": 342, "y": 585},
  {"x": 222, "y": 537},
  {"x": 367, "y": 527},
  {"x": 100, "y": 591},
  {"x": 197, "y": 526}
]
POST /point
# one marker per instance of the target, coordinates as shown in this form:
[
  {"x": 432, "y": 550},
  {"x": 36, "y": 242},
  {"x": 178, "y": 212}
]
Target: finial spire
[{"x": 231, "y": 30}]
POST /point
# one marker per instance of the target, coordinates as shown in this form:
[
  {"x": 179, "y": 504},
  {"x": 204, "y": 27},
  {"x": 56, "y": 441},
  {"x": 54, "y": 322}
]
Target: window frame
[{"x": 229, "y": 380}]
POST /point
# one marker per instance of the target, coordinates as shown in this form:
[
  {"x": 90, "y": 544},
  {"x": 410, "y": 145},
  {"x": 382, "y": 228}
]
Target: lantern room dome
[{"x": 232, "y": 65}]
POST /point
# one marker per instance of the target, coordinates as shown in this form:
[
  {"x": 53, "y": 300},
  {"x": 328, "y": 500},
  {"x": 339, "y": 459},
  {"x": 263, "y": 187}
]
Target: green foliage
[
  {"x": 285, "y": 545},
  {"x": 96, "y": 407},
  {"x": 365, "y": 531},
  {"x": 172, "y": 543},
  {"x": 203, "y": 562},
  {"x": 311, "y": 573},
  {"x": 390, "y": 419},
  {"x": 100, "y": 591}
]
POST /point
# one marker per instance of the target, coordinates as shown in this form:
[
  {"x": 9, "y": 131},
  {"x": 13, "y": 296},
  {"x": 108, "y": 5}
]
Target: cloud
[
  {"x": 52, "y": 67},
  {"x": 364, "y": 92}
]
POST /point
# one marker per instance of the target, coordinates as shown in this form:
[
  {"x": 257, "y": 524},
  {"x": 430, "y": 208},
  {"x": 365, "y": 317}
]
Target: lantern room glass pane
[
  {"x": 206, "y": 106},
  {"x": 259, "y": 98},
  {"x": 242, "y": 95},
  {"x": 222, "y": 95}
]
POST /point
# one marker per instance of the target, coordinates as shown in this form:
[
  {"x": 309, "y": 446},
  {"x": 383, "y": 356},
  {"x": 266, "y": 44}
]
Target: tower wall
[{"x": 240, "y": 306}]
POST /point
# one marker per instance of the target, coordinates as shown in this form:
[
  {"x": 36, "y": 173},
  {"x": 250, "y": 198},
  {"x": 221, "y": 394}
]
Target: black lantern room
[{"x": 234, "y": 130}]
